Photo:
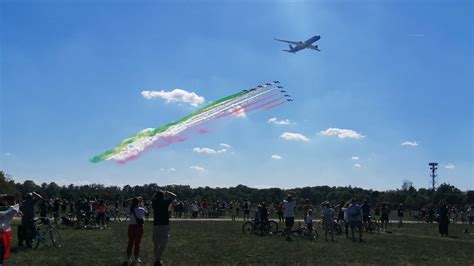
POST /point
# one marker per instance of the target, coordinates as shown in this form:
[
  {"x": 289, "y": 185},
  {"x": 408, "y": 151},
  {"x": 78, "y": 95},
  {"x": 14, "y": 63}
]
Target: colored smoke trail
[{"x": 254, "y": 99}]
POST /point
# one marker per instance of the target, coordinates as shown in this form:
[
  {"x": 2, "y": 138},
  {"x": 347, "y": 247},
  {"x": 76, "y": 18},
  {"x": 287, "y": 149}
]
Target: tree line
[{"x": 411, "y": 197}]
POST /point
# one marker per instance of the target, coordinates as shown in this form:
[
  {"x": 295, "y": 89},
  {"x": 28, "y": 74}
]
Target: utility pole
[{"x": 433, "y": 168}]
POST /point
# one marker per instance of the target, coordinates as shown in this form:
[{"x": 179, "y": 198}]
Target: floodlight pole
[{"x": 433, "y": 168}]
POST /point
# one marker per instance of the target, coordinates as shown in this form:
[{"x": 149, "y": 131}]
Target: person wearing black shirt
[
  {"x": 400, "y": 212},
  {"x": 443, "y": 220},
  {"x": 161, "y": 223},
  {"x": 27, "y": 220}
]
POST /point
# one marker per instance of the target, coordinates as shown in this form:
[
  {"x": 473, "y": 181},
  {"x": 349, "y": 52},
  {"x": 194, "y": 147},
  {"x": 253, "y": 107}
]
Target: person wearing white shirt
[
  {"x": 194, "y": 209},
  {"x": 135, "y": 229},
  {"x": 6, "y": 216}
]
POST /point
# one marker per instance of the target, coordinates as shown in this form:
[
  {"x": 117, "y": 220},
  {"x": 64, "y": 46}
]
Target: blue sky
[{"x": 393, "y": 71}]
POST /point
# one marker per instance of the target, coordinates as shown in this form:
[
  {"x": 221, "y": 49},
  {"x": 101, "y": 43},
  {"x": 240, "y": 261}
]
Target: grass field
[{"x": 210, "y": 243}]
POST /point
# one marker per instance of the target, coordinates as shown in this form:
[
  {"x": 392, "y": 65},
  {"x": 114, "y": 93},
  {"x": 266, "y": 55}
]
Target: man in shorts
[
  {"x": 289, "y": 212},
  {"x": 161, "y": 223}
]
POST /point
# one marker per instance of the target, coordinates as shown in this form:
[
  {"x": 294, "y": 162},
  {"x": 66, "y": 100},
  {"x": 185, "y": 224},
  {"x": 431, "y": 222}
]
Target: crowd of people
[{"x": 352, "y": 215}]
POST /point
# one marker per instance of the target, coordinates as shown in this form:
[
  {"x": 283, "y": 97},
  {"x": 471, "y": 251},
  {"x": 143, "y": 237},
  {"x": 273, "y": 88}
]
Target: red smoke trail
[{"x": 273, "y": 106}]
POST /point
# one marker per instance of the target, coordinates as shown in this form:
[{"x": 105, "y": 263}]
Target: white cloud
[
  {"x": 275, "y": 121},
  {"x": 204, "y": 150},
  {"x": 357, "y": 165},
  {"x": 409, "y": 143},
  {"x": 294, "y": 136},
  {"x": 276, "y": 157},
  {"x": 449, "y": 166},
  {"x": 342, "y": 133},
  {"x": 208, "y": 150},
  {"x": 175, "y": 96},
  {"x": 227, "y": 146},
  {"x": 355, "y": 158},
  {"x": 8, "y": 154},
  {"x": 197, "y": 168}
]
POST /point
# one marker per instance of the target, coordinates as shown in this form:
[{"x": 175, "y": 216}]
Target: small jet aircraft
[
  {"x": 280, "y": 87},
  {"x": 287, "y": 95},
  {"x": 283, "y": 91},
  {"x": 259, "y": 86},
  {"x": 276, "y": 81},
  {"x": 302, "y": 45},
  {"x": 252, "y": 89},
  {"x": 268, "y": 84},
  {"x": 290, "y": 100},
  {"x": 245, "y": 90}
]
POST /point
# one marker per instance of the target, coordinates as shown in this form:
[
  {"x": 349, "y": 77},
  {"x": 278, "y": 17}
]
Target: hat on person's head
[{"x": 310, "y": 211}]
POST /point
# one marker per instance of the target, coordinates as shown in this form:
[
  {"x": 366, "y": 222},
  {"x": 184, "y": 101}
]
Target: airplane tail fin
[{"x": 291, "y": 47}]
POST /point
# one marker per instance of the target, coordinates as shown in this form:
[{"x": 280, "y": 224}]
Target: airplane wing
[
  {"x": 291, "y": 42},
  {"x": 314, "y": 47}
]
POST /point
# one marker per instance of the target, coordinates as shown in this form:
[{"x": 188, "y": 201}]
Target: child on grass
[{"x": 8, "y": 209}]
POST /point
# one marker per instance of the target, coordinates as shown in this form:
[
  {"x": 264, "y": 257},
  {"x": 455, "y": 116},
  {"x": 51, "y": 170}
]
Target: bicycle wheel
[
  {"x": 273, "y": 226},
  {"x": 55, "y": 237},
  {"x": 36, "y": 241},
  {"x": 247, "y": 228},
  {"x": 315, "y": 234},
  {"x": 81, "y": 223},
  {"x": 297, "y": 232}
]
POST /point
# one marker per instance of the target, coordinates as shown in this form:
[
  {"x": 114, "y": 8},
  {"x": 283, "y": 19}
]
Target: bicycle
[
  {"x": 44, "y": 230},
  {"x": 257, "y": 227},
  {"x": 371, "y": 225},
  {"x": 336, "y": 226},
  {"x": 304, "y": 232}
]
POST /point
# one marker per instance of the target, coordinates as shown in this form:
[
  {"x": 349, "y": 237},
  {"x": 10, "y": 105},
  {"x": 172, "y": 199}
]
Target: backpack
[{"x": 140, "y": 221}]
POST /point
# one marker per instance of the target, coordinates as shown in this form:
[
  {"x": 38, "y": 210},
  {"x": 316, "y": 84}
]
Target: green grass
[{"x": 210, "y": 243}]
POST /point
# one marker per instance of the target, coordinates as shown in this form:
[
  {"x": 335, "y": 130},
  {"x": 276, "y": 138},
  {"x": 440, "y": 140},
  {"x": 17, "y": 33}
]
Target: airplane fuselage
[
  {"x": 302, "y": 45},
  {"x": 305, "y": 44}
]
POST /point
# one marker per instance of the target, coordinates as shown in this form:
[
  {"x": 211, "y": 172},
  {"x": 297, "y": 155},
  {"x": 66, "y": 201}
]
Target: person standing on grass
[
  {"x": 400, "y": 212},
  {"x": 161, "y": 223},
  {"x": 246, "y": 210},
  {"x": 101, "y": 209},
  {"x": 8, "y": 209},
  {"x": 470, "y": 215},
  {"x": 443, "y": 220},
  {"x": 194, "y": 209},
  {"x": 233, "y": 205},
  {"x": 135, "y": 230},
  {"x": 355, "y": 219},
  {"x": 328, "y": 220},
  {"x": 346, "y": 218},
  {"x": 309, "y": 221},
  {"x": 384, "y": 217},
  {"x": 280, "y": 212},
  {"x": 289, "y": 206},
  {"x": 27, "y": 220}
]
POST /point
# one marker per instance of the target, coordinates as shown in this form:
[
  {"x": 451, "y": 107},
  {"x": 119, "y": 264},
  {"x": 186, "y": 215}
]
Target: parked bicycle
[
  {"x": 336, "y": 227},
  {"x": 304, "y": 232},
  {"x": 371, "y": 226},
  {"x": 45, "y": 231},
  {"x": 259, "y": 227}
]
